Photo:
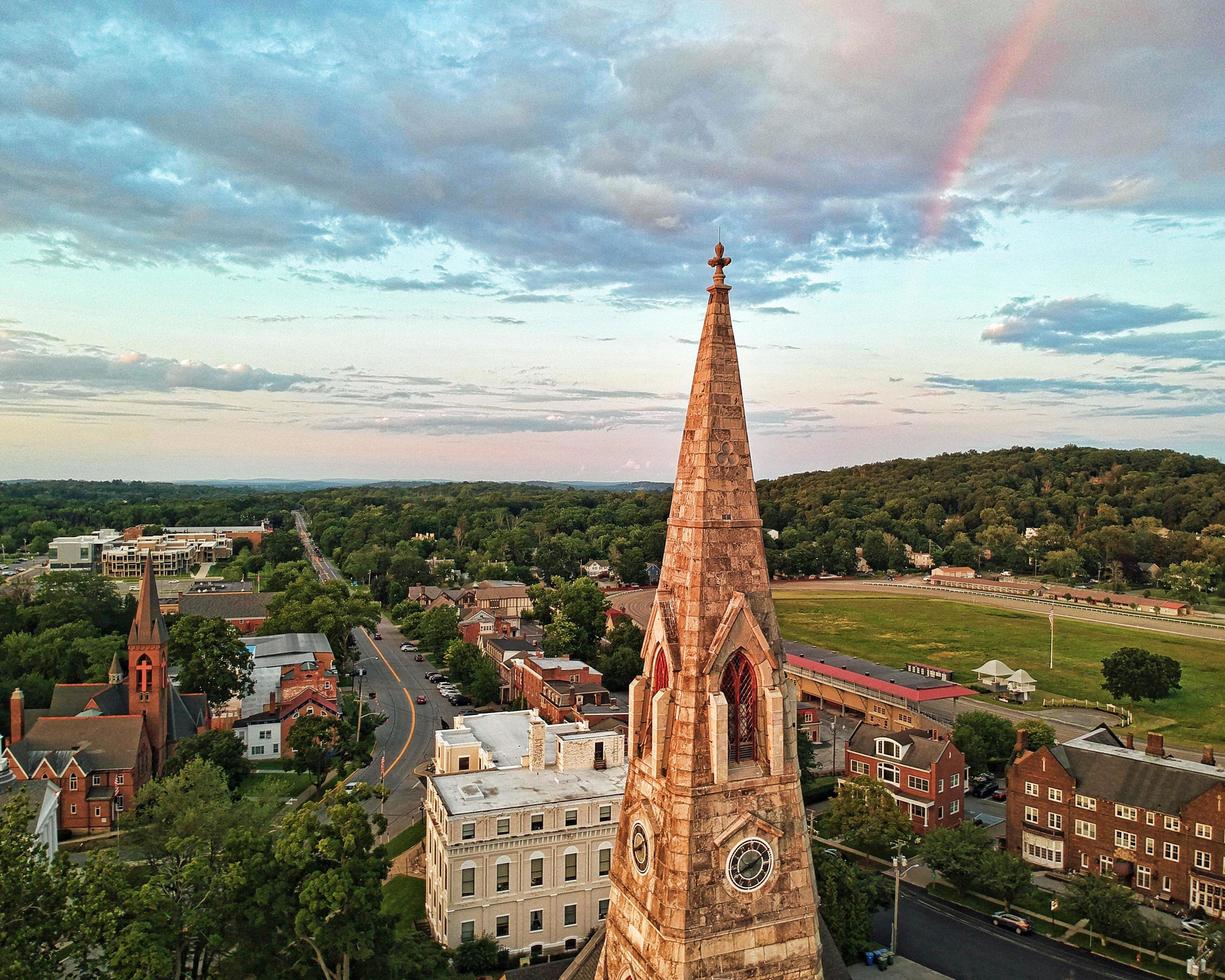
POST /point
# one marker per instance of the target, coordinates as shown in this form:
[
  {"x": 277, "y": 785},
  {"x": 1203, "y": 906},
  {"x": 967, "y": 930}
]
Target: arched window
[
  {"x": 661, "y": 674},
  {"x": 144, "y": 674},
  {"x": 740, "y": 689},
  {"x": 658, "y": 681}
]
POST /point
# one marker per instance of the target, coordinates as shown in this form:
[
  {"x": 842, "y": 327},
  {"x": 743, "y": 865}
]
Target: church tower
[
  {"x": 148, "y": 681},
  {"x": 712, "y": 875}
]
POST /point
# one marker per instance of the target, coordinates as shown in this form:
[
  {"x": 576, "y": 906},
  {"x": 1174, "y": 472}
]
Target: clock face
[
  {"x": 750, "y": 864},
  {"x": 640, "y": 848}
]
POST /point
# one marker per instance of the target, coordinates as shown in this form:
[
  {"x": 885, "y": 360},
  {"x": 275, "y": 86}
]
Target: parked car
[
  {"x": 407, "y": 648},
  {"x": 1000, "y": 794},
  {"x": 433, "y": 676},
  {"x": 1195, "y": 927},
  {"x": 352, "y": 785},
  {"x": 378, "y": 635},
  {"x": 422, "y": 699},
  {"x": 983, "y": 790},
  {"x": 1010, "y": 920},
  {"x": 419, "y": 658},
  {"x": 460, "y": 699}
]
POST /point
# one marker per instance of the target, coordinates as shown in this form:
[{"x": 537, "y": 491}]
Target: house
[
  {"x": 613, "y": 616},
  {"x": 43, "y": 798},
  {"x": 922, "y": 560},
  {"x": 100, "y": 743},
  {"x": 994, "y": 674},
  {"x": 311, "y": 655},
  {"x": 431, "y": 596},
  {"x": 596, "y": 568},
  {"x": 505, "y": 651},
  {"x": 265, "y": 734},
  {"x": 1095, "y": 804},
  {"x": 924, "y": 774},
  {"x": 245, "y": 610},
  {"x": 507, "y": 599},
  {"x": 652, "y": 573},
  {"x": 521, "y": 819},
  {"x": 953, "y": 572},
  {"x": 558, "y": 686}
]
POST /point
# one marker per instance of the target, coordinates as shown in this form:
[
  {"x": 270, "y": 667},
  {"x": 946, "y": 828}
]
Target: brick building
[
  {"x": 246, "y": 611},
  {"x": 1096, "y": 804},
  {"x": 558, "y": 687},
  {"x": 265, "y": 734},
  {"x": 924, "y": 774}
]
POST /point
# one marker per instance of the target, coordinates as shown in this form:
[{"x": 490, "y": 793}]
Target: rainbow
[{"x": 993, "y": 85}]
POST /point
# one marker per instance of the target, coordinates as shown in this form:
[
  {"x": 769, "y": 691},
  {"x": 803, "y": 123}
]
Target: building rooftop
[
  {"x": 504, "y": 735},
  {"x": 888, "y": 680},
  {"x": 219, "y": 529},
  {"x": 504, "y": 789},
  {"x": 227, "y": 604},
  {"x": 296, "y": 646}
]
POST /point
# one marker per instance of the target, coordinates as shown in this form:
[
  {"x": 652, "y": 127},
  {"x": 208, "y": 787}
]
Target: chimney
[
  {"x": 17, "y": 716},
  {"x": 535, "y": 743},
  {"x": 1020, "y": 744},
  {"x": 1129, "y": 740},
  {"x": 1156, "y": 745},
  {"x": 1209, "y": 758}
]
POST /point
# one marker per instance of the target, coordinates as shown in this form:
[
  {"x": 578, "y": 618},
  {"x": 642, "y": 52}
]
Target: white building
[
  {"x": 43, "y": 797},
  {"x": 80, "y": 552},
  {"x": 521, "y": 819}
]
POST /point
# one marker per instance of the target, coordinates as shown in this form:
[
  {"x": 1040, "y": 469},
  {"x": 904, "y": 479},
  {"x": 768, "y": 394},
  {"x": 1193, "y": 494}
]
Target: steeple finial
[{"x": 719, "y": 263}]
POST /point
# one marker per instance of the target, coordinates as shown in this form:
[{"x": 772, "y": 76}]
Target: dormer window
[{"x": 888, "y": 748}]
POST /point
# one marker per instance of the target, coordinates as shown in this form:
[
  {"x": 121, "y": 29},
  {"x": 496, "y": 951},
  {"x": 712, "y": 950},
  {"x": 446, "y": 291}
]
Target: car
[
  {"x": 373, "y": 696},
  {"x": 983, "y": 790},
  {"x": 1010, "y": 920},
  {"x": 1195, "y": 927},
  {"x": 406, "y": 648},
  {"x": 433, "y": 677},
  {"x": 352, "y": 785},
  {"x": 460, "y": 699},
  {"x": 981, "y": 777},
  {"x": 378, "y": 635},
  {"x": 420, "y": 658},
  {"x": 1000, "y": 794},
  {"x": 422, "y": 699}
]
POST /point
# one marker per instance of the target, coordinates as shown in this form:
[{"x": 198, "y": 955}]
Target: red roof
[{"x": 885, "y": 687}]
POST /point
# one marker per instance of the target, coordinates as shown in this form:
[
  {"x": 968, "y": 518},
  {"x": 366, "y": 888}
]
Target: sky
[{"x": 394, "y": 240}]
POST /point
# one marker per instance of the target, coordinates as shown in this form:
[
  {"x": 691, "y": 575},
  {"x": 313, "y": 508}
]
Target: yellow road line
[{"x": 412, "y": 710}]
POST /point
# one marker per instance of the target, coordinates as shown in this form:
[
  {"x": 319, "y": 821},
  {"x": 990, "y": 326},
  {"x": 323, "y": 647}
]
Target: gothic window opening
[
  {"x": 660, "y": 675},
  {"x": 740, "y": 689}
]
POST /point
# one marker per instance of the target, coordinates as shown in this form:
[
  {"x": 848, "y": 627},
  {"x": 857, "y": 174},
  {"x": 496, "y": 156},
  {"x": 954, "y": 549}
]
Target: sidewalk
[{"x": 902, "y": 968}]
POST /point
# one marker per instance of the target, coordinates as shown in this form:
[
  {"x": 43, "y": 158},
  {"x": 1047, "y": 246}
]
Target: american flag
[
  {"x": 1051, "y": 617},
  {"x": 383, "y": 767}
]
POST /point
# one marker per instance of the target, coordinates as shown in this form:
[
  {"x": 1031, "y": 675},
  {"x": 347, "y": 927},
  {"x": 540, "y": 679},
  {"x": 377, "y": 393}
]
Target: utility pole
[
  {"x": 898, "y": 863},
  {"x": 1051, "y": 618}
]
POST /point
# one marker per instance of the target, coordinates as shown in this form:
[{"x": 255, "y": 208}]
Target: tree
[
  {"x": 35, "y": 898},
  {"x": 315, "y": 740},
  {"x": 485, "y": 684},
  {"x": 211, "y": 657},
  {"x": 957, "y": 853},
  {"x": 437, "y": 628},
  {"x": 1065, "y": 564},
  {"x": 865, "y": 816},
  {"x": 1110, "y": 907},
  {"x": 477, "y": 955},
  {"x": 1189, "y": 580},
  {"x": 461, "y": 660},
  {"x": 849, "y": 897},
  {"x": 331, "y": 608},
  {"x": 1135, "y": 673},
  {"x": 581, "y": 604},
  {"x": 1004, "y": 875},
  {"x": 1038, "y": 733},
  {"x": 630, "y": 566},
  {"x": 876, "y": 551},
  {"x": 223, "y": 749},
  {"x": 985, "y": 739},
  {"x": 330, "y": 852},
  {"x": 620, "y": 666},
  {"x": 563, "y": 638},
  {"x": 961, "y": 551}
]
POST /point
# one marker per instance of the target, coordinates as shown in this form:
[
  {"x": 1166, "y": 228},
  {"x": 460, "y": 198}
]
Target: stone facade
[{"x": 712, "y": 875}]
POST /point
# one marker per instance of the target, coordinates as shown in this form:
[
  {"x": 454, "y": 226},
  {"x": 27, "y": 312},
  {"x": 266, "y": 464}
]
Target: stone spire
[
  {"x": 114, "y": 674},
  {"x": 148, "y": 627}
]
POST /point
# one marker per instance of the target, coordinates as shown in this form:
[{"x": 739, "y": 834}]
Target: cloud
[
  {"x": 775, "y": 310},
  {"x": 1101, "y": 326},
  {"x": 1057, "y": 386},
  {"x": 508, "y": 320},
  {"x": 569, "y": 148}
]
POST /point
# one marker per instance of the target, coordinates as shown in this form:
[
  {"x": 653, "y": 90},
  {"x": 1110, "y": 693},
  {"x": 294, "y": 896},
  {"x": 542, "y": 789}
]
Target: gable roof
[
  {"x": 98, "y": 742},
  {"x": 72, "y": 699},
  {"x": 923, "y": 752},
  {"x": 226, "y": 605}
]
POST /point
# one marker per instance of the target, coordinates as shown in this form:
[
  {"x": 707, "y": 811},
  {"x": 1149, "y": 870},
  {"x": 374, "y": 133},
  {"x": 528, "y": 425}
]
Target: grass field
[
  {"x": 284, "y": 784},
  {"x": 894, "y": 629},
  {"x": 404, "y": 899},
  {"x": 406, "y": 838}
]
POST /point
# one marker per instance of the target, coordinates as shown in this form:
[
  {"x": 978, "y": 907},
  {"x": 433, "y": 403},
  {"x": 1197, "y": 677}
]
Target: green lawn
[
  {"x": 894, "y": 629},
  {"x": 405, "y": 839},
  {"x": 404, "y": 899},
  {"x": 283, "y": 784}
]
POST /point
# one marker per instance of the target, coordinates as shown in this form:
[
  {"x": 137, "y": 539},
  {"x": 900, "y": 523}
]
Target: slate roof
[
  {"x": 226, "y": 605},
  {"x": 103, "y": 742},
  {"x": 71, "y": 699},
  {"x": 1109, "y": 771},
  {"x": 923, "y": 753}
]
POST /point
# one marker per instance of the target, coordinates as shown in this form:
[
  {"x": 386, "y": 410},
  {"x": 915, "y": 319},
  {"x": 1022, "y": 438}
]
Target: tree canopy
[
  {"x": 211, "y": 658},
  {"x": 1135, "y": 673}
]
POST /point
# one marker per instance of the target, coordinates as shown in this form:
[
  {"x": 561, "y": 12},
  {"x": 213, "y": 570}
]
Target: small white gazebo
[
  {"x": 994, "y": 673},
  {"x": 1021, "y": 685}
]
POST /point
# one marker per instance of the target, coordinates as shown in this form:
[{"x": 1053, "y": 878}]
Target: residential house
[
  {"x": 431, "y": 596},
  {"x": 558, "y": 686},
  {"x": 596, "y": 568},
  {"x": 924, "y": 774},
  {"x": 506, "y": 599},
  {"x": 265, "y": 734},
  {"x": 505, "y": 651}
]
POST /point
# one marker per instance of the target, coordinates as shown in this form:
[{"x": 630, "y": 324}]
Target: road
[
  {"x": 395, "y": 679},
  {"x": 966, "y": 945}
]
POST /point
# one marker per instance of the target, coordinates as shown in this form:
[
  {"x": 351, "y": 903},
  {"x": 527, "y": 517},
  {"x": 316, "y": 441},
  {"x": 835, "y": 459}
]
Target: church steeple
[
  {"x": 115, "y": 674},
  {"x": 712, "y": 875},
  {"x": 148, "y": 679},
  {"x": 148, "y": 626}
]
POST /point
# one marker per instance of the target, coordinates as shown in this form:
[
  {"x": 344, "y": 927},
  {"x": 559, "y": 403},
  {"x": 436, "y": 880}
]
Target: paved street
[{"x": 967, "y": 946}]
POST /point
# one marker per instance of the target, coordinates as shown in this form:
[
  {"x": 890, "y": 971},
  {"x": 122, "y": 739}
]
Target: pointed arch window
[
  {"x": 740, "y": 688},
  {"x": 658, "y": 680},
  {"x": 144, "y": 674}
]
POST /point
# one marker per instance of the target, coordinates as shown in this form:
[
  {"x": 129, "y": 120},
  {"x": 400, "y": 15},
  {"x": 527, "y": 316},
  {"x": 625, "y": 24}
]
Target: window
[
  {"x": 536, "y": 920},
  {"x": 1203, "y": 831},
  {"x": 939, "y": 785},
  {"x": 1031, "y": 814},
  {"x": 606, "y": 813},
  {"x": 503, "y": 826},
  {"x": 1105, "y": 864},
  {"x": 1203, "y": 860},
  {"x": 467, "y": 882},
  {"x": 265, "y": 733},
  {"x": 1150, "y": 818},
  {"x": 1054, "y": 795},
  {"x": 1085, "y": 829},
  {"x": 97, "y": 811},
  {"x": 571, "y": 944},
  {"x": 605, "y": 861},
  {"x": 465, "y": 763},
  {"x": 1169, "y": 851},
  {"x": 1031, "y": 789},
  {"x": 918, "y": 783},
  {"x": 503, "y": 877},
  {"x": 537, "y": 872},
  {"x": 537, "y": 821},
  {"x": 1124, "y": 812},
  {"x": 467, "y": 831},
  {"x": 887, "y": 772},
  {"x": 1148, "y": 846},
  {"x": 1084, "y": 862},
  {"x": 602, "y": 912},
  {"x": 955, "y": 807},
  {"x": 501, "y": 926},
  {"x": 939, "y": 813},
  {"x": 571, "y": 818},
  {"x": 72, "y": 808},
  {"x": 1054, "y": 821},
  {"x": 1086, "y": 802},
  {"x": 1124, "y": 839},
  {"x": 570, "y": 866},
  {"x": 1165, "y": 883},
  {"x": 1144, "y": 876},
  {"x": 95, "y": 780},
  {"x": 859, "y": 768},
  {"x": 1173, "y": 823},
  {"x": 955, "y": 779},
  {"x": 118, "y": 779},
  {"x": 119, "y": 802},
  {"x": 467, "y": 931},
  {"x": 569, "y": 915},
  {"x": 740, "y": 688},
  {"x": 889, "y": 748},
  {"x": 257, "y": 750},
  {"x": 72, "y": 782}
]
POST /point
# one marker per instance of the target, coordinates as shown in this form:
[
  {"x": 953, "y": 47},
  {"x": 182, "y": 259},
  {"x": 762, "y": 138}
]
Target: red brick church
[{"x": 100, "y": 743}]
